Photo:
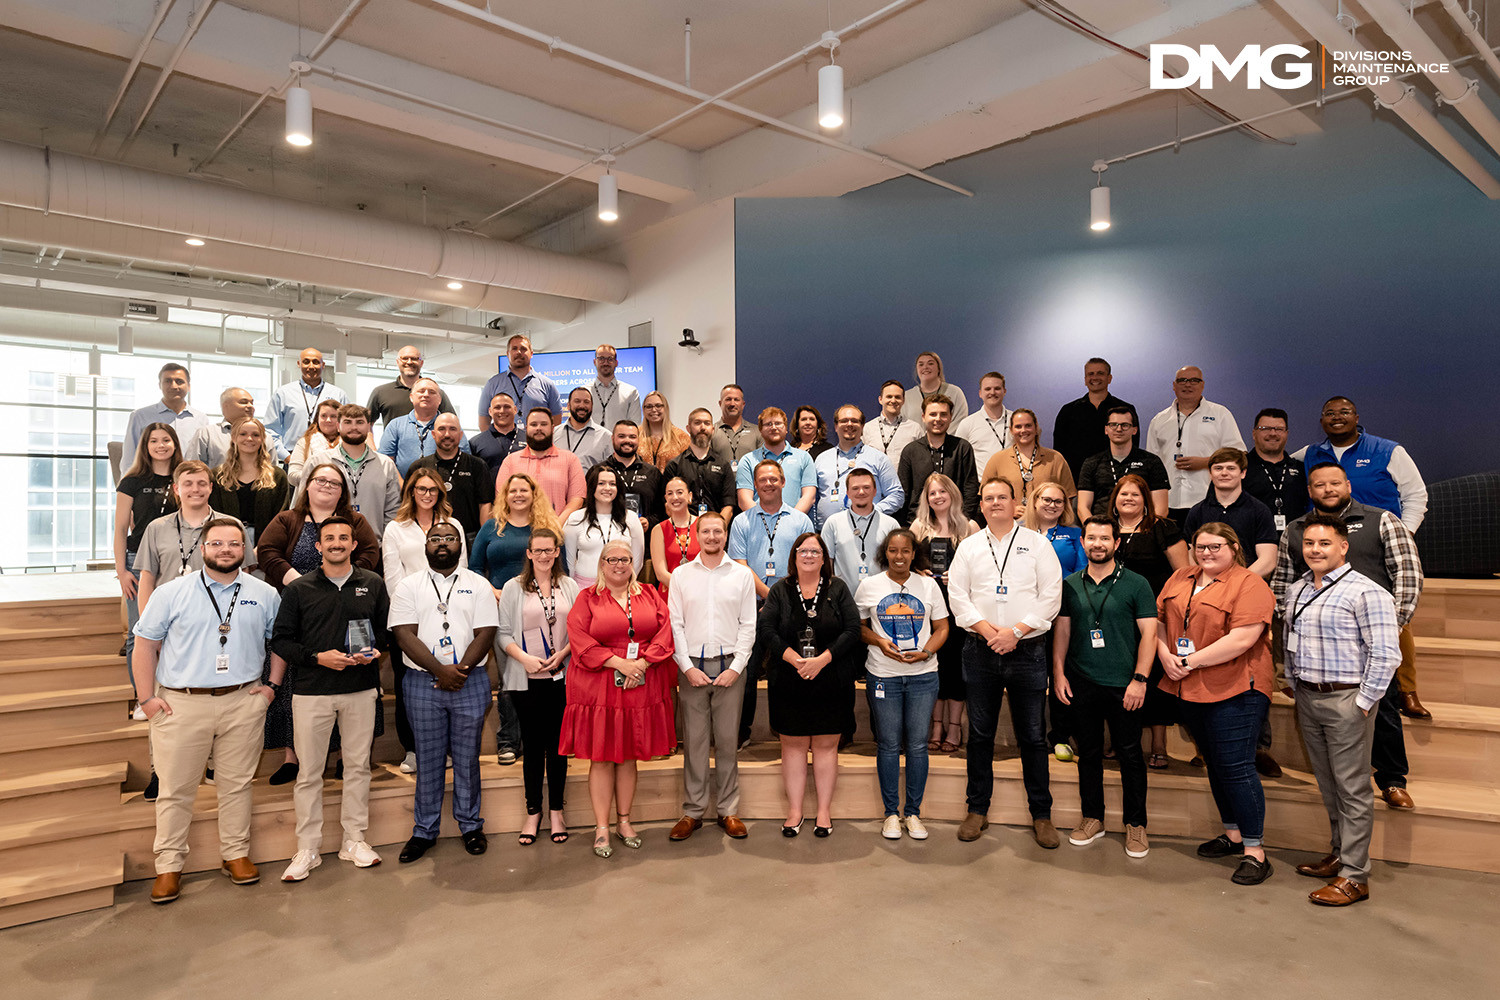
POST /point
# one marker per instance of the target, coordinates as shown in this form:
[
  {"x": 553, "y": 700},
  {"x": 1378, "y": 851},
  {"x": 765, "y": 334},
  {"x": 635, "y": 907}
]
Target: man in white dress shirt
[
  {"x": 1185, "y": 434},
  {"x": 613, "y": 399},
  {"x": 1005, "y": 588},
  {"x": 987, "y": 429},
  {"x": 712, "y": 605}
]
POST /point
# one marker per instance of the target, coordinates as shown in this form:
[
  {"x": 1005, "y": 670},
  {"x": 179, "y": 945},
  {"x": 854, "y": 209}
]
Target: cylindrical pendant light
[
  {"x": 299, "y": 128},
  {"x": 125, "y": 342},
  {"x": 609, "y": 198},
  {"x": 1099, "y": 199}
]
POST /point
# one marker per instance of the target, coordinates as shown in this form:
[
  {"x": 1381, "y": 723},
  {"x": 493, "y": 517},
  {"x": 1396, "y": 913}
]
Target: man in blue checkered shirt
[{"x": 1342, "y": 649}]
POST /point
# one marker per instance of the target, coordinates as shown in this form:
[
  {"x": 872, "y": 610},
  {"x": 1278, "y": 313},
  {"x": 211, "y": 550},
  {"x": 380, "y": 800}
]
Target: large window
[{"x": 64, "y": 515}]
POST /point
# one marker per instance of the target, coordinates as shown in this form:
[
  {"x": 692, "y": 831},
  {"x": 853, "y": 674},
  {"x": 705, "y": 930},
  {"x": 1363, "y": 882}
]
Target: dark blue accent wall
[{"x": 1352, "y": 262}]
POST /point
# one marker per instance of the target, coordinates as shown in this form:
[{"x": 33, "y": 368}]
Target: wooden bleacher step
[
  {"x": 40, "y": 892},
  {"x": 61, "y": 794},
  {"x": 122, "y": 740},
  {"x": 30, "y": 718},
  {"x": 34, "y": 675}
]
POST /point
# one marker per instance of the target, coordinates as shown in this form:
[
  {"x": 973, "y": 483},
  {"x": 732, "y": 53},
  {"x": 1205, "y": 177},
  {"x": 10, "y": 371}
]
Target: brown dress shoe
[
  {"x": 240, "y": 871},
  {"x": 684, "y": 828},
  {"x": 166, "y": 887},
  {"x": 1340, "y": 892},
  {"x": 1045, "y": 834},
  {"x": 733, "y": 826},
  {"x": 1326, "y": 868},
  {"x": 973, "y": 825},
  {"x": 1411, "y": 706},
  {"x": 1397, "y": 798}
]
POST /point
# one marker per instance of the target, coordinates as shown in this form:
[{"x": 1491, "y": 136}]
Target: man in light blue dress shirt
[
  {"x": 294, "y": 404},
  {"x": 835, "y": 464},
  {"x": 800, "y": 480},
  {"x": 200, "y": 644},
  {"x": 528, "y": 388},
  {"x": 172, "y": 409},
  {"x": 409, "y": 437}
]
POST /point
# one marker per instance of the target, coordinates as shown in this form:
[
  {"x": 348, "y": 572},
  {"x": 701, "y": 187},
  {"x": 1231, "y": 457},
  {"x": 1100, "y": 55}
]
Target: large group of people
[{"x": 633, "y": 581}]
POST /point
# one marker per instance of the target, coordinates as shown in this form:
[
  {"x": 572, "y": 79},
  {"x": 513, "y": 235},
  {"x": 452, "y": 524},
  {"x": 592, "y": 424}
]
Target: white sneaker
[
  {"x": 914, "y": 828},
  {"x": 892, "y": 828},
  {"x": 303, "y": 862},
  {"x": 361, "y": 853},
  {"x": 409, "y": 764},
  {"x": 505, "y": 757},
  {"x": 139, "y": 715}
]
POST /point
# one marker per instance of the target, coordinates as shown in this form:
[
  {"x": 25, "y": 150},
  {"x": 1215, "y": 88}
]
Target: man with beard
[
  {"x": 734, "y": 438},
  {"x": 707, "y": 475},
  {"x": 332, "y": 628},
  {"x": 800, "y": 488},
  {"x": 640, "y": 482},
  {"x": 612, "y": 399},
  {"x": 1382, "y": 549},
  {"x": 410, "y": 436},
  {"x": 937, "y": 451},
  {"x": 530, "y": 389},
  {"x": 200, "y": 645},
  {"x": 374, "y": 482},
  {"x": 445, "y": 621},
  {"x": 294, "y": 406},
  {"x": 1103, "y": 646},
  {"x": 502, "y": 437},
  {"x": 579, "y": 434},
  {"x": 557, "y": 472},
  {"x": 470, "y": 485}
]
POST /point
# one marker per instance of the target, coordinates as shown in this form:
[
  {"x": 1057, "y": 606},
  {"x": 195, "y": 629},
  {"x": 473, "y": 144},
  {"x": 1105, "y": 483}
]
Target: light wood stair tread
[
  {"x": 121, "y": 692},
  {"x": 63, "y": 779},
  {"x": 61, "y": 878},
  {"x": 22, "y": 665},
  {"x": 1473, "y": 647},
  {"x": 126, "y": 730},
  {"x": 1480, "y": 587}
]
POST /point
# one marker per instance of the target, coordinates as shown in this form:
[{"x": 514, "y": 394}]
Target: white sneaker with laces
[
  {"x": 914, "y": 828},
  {"x": 892, "y": 828},
  {"x": 303, "y": 862},
  {"x": 361, "y": 853},
  {"x": 139, "y": 715},
  {"x": 409, "y": 764}
]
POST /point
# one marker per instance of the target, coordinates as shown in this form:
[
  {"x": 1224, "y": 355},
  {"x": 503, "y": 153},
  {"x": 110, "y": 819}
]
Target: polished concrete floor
[{"x": 850, "y": 916}]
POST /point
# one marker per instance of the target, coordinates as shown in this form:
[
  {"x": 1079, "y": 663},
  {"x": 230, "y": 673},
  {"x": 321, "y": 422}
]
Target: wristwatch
[
  {"x": 1018, "y": 632},
  {"x": 1184, "y": 664},
  {"x": 1140, "y": 677},
  {"x": 274, "y": 686}
]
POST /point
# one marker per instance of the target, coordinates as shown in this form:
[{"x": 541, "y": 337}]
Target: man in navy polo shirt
[{"x": 1228, "y": 503}]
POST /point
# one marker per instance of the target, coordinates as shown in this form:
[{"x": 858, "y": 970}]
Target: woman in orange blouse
[
  {"x": 1214, "y": 645},
  {"x": 661, "y": 440},
  {"x": 619, "y": 697}
]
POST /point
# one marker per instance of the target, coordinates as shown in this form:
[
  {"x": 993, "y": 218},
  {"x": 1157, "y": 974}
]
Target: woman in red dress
[
  {"x": 674, "y": 541},
  {"x": 619, "y": 688}
]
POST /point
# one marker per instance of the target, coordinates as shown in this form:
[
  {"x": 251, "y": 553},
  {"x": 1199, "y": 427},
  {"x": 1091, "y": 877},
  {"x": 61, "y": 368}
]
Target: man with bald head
[
  {"x": 393, "y": 399},
  {"x": 294, "y": 405},
  {"x": 210, "y": 442},
  {"x": 466, "y": 477},
  {"x": 1185, "y": 434},
  {"x": 410, "y": 437}
]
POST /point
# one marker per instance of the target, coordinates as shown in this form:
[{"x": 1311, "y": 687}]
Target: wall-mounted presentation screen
[{"x": 570, "y": 369}]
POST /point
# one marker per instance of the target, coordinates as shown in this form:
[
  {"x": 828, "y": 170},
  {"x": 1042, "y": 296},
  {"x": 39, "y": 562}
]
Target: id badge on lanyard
[
  {"x": 633, "y": 651},
  {"x": 445, "y": 651},
  {"x": 1279, "y": 520},
  {"x": 1096, "y": 638},
  {"x": 1185, "y": 646}
]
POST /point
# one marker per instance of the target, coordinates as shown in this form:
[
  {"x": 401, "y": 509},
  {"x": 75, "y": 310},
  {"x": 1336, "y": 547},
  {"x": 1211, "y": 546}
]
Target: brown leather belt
[
  {"x": 211, "y": 692},
  {"x": 1327, "y": 688}
]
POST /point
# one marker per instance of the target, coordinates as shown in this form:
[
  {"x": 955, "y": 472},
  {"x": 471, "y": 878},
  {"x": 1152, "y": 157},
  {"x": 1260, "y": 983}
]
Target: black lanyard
[
  {"x": 520, "y": 387},
  {"x": 614, "y": 387},
  {"x": 317, "y": 397},
  {"x": 549, "y": 607},
  {"x": 629, "y": 618},
  {"x": 771, "y": 531},
  {"x": 224, "y": 619},
  {"x": 583, "y": 436},
  {"x": 186, "y": 553},
  {"x": 1182, "y": 420},
  {"x": 1027, "y": 474},
  {"x": 989, "y": 540},
  {"x": 443, "y": 601},
  {"x": 422, "y": 431},
  {"x": 885, "y": 442},
  {"x": 437, "y": 463},
  {"x": 991, "y": 425},
  {"x": 1099, "y": 611},
  {"x": 861, "y": 535},
  {"x": 1298, "y": 609},
  {"x": 1118, "y": 470},
  {"x": 1187, "y": 613},
  {"x": 732, "y": 438},
  {"x": 1278, "y": 483},
  {"x": 939, "y": 454},
  {"x": 838, "y": 477}
]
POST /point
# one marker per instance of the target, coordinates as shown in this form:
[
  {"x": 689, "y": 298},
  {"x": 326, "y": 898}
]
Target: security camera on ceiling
[{"x": 690, "y": 342}]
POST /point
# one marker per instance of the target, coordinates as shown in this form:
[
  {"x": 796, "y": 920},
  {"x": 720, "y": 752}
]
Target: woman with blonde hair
[
  {"x": 1049, "y": 513},
  {"x": 320, "y": 438},
  {"x": 500, "y": 547},
  {"x": 940, "y": 525},
  {"x": 661, "y": 441},
  {"x": 249, "y": 484},
  {"x": 619, "y": 688}
]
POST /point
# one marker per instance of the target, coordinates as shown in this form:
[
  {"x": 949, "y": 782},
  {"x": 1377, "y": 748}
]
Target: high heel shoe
[
  {"x": 601, "y": 842},
  {"x": 792, "y": 831},
  {"x": 633, "y": 842}
]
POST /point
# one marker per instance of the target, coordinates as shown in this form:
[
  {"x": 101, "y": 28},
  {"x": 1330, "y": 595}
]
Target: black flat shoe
[
  {"x": 823, "y": 831},
  {"x": 338, "y": 770},
  {"x": 1220, "y": 847},
  {"x": 415, "y": 848},
  {"x": 792, "y": 831},
  {"x": 152, "y": 787},
  {"x": 475, "y": 842},
  {"x": 1251, "y": 872},
  {"x": 285, "y": 774}
]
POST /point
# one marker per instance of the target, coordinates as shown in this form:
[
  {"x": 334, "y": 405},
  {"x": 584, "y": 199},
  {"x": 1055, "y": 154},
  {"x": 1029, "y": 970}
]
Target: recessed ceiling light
[
  {"x": 193, "y": 241},
  {"x": 455, "y": 285}
]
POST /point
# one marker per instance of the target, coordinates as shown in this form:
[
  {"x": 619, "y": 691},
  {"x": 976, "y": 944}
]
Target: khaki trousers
[
  {"x": 232, "y": 728},
  {"x": 1406, "y": 673},
  {"x": 313, "y": 716},
  {"x": 710, "y": 715}
]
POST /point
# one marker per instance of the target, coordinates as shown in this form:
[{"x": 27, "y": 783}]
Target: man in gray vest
[{"x": 1382, "y": 549}]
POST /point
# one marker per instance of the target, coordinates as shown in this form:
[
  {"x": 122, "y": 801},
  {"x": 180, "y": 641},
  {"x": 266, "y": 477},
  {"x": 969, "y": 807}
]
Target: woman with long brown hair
[
  {"x": 320, "y": 438},
  {"x": 143, "y": 494}
]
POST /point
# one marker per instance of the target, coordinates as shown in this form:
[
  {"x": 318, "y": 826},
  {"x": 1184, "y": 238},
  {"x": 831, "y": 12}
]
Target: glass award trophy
[
  {"x": 359, "y": 637},
  {"x": 940, "y": 551}
]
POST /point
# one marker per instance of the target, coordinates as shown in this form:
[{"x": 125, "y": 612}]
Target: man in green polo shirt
[{"x": 1104, "y": 641}]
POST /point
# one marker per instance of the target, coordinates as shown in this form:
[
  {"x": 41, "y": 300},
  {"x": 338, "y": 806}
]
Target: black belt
[
  {"x": 1327, "y": 688},
  {"x": 211, "y": 692}
]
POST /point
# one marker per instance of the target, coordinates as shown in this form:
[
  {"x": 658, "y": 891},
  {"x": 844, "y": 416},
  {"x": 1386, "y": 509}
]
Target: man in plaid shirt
[
  {"x": 1341, "y": 653},
  {"x": 1381, "y": 548}
]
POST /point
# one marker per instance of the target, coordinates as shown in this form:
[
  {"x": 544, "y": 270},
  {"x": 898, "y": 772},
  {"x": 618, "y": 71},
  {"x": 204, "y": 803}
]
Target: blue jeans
[
  {"x": 1226, "y": 733},
  {"x": 989, "y": 677},
  {"x": 901, "y": 711},
  {"x": 132, "y": 615}
]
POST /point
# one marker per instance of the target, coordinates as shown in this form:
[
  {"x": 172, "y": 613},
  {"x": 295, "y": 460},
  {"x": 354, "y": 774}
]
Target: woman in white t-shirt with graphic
[{"x": 905, "y": 624}]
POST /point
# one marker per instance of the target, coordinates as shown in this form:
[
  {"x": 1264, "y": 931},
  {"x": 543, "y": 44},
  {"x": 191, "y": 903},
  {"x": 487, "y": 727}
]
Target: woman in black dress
[
  {"x": 810, "y": 629},
  {"x": 248, "y": 483},
  {"x": 939, "y": 526},
  {"x": 1153, "y": 547}
]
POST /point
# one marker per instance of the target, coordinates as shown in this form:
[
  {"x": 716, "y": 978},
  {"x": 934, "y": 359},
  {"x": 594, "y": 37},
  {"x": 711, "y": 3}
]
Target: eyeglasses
[
  {"x": 1188, "y": 381},
  {"x": 617, "y": 560},
  {"x": 1115, "y": 425},
  {"x": 1269, "y": 429},
  {"x": 1048, "y": 502},
  {"x": 1345, "y": 412},
  {"x": 536, "y": 553},
  {"x": 816, "y": 553},
  {"x": 332, "y": 484},
  {"x": 1210, "y": 549},
  {"x": 426, "y": 491},
  {"x": 216, "y": 546}
]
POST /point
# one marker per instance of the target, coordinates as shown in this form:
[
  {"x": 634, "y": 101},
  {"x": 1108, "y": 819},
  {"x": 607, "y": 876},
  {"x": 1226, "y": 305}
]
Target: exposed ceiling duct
[{"x": 76, "y": 187}]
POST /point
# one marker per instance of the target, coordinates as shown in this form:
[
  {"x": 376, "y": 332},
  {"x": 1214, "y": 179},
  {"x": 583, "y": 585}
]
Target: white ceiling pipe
[
  {"x": 32, "y": 323},
  {"x": 1472, "y": 34},
  {"x": 110, "y": 192},
  {"x": 1457, "y": 89},
  {"x": 1399, "y": 97}
]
